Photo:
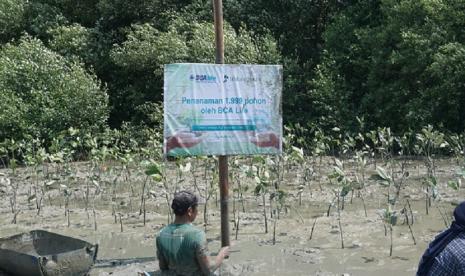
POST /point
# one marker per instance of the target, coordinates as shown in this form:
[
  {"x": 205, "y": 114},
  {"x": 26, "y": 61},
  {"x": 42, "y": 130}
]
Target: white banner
[{"x": 214, "y": 109}]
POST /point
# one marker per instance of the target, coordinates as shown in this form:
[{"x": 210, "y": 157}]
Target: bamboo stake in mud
[
  {"x": 411, "y": 212},
  {"x": 120, "y": 222},
  {"x": 409, "y": 226},
  {"x": 237, "y": 223},
  {"x": 15, "y": 216},
  {"x": 95, "y": 218},
  {"x": 313, "y": 228},
  {"x": 223, "y": 160},
  {"x": 390, "y": 248},
  {"x": 274, "y": 231}
]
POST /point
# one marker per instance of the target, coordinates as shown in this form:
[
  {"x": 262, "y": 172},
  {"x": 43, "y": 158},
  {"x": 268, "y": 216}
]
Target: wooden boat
[{"x": 44, "y": 253}]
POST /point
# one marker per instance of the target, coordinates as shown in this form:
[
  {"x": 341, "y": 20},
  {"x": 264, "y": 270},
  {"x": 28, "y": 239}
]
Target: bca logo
[{"x": 202, "y": 78}]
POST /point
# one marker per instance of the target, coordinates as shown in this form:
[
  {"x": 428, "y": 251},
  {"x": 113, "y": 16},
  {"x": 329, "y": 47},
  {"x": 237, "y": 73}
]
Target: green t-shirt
[{"x": 178, "y": 245}]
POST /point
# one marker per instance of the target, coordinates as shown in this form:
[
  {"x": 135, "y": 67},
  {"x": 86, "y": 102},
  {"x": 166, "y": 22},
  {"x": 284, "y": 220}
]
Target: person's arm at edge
[{"x": 204, "y": 261}]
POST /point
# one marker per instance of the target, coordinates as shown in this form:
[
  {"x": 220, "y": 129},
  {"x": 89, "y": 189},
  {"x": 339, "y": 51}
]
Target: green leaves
[
  {"x": 72, "y": 41},
  {"x": 46, "y": 94},
  {"x": 382, "y": 176},
  {"x": 454, "y": 184},
  {"x": 397, "y": 63},
  {"x": 297, "y": 154},
  {"x": 148, "y": 49},
  {"x": 390, "y": 216},
  {"x": 11, "y": 18},
  {"x": 154, "y": 170}
]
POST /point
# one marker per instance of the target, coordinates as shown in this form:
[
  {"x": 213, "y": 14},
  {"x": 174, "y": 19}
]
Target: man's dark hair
[{"x": 182, "y": 201}]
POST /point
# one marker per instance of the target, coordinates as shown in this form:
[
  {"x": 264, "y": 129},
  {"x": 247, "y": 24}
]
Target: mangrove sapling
[
  {"x": 13, "y": 197},
  {"x": 239, "y": 190},
  {"x": 38, "y": 200},
  {"x": 142, "y": 196},
  {"x": 154, "y": 171},
  {"x": 335, "y": 142},
  {"x": 261, "y": 189},
  {"x": 348, "y": 146},
  {"x": 390, "y": 179},
  {"x": 457, "y": 146},
  {"x": 404, "y": 211},
  {"x": 210, "y": 190},
  {"x": 386, "y": 144},
  {"x": 262, "y": 184},
  {"x": 157, "y": 171},
  {"x": 443, "y": 216},
  {"x": 390, "y": 218},
  {"x": 7, "y": 184},
  {"x": 67, "y": 195},
  {"x": 271, "y": 173},
  {"x": 183, "y": 165},
  {"x": 457, "y": 182},
  {"x": 210, "y": 184},
  {"x": 320, "y": 150},
  {"x": 389, "y": 215},
  {"x": 296, "y": 156},
  {"x": 360, "y": 180},
  {"x": 280, "y": 197},
  {"x": 429, "y": 141},
  {"x": 430, "y": 183},
  {"x": 34, "y": 155},
  {"x": 296, "y": 210},
  {"x": 371, "y": 144},
  {"x": 12, "y": 151},
  {"x": 3, "y": 154},
  {"x": 194, "y": 170},
  {"x": 344, "y": 186}
]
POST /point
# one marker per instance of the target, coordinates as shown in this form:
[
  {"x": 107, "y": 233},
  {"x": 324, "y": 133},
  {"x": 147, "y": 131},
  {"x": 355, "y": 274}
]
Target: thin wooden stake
[{"x": 313, "y": 228}]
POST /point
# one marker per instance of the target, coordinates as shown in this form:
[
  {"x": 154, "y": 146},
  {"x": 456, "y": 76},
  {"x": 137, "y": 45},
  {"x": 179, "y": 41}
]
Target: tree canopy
[{"x": 394, "y": 63}]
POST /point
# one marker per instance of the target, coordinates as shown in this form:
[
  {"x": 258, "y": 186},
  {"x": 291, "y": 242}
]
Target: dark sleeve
[
  {"x": 162, "y": 263},
  {"x": 201, "y": 244}
]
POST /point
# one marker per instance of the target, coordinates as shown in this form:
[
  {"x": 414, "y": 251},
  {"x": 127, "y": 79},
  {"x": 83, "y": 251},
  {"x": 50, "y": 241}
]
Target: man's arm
[
  {"x": 204, "y": 264},
  {"x": 162, "y": 263},
  {"x": 204, "y": 261}
]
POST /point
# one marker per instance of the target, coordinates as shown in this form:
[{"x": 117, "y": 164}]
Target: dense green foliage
[
  {"x": 44, "y": 94},
  {"x": 397, "y": 63},
  {"x": 351, "y": 64}
]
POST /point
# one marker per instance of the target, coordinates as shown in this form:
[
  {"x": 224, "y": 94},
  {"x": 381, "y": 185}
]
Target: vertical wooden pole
[
  {"x": 223, "y": 160},
  {"x": 219, "y": 40},
  {"x": 224, "y": 198}
]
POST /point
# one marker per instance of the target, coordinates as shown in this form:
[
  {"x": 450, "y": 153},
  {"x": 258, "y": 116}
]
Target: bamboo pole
[{"x": 223, "y": 160}]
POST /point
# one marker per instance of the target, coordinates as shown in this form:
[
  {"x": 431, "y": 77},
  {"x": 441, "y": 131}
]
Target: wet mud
[{"x": 304, "y": 240}]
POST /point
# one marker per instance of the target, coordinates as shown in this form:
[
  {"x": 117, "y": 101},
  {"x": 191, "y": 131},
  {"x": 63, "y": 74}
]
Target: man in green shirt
[{"x": 181, "y": 247}]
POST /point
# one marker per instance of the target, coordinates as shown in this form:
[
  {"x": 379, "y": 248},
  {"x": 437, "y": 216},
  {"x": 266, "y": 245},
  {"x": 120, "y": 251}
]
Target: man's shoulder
[
  {"x": 187, "y": 229},
  {"x": 194, "y": 231},
  {"x": 457, "y": 246}
]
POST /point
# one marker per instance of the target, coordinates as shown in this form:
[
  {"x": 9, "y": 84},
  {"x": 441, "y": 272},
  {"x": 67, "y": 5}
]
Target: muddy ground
[{"x": 126, "y": 246}]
